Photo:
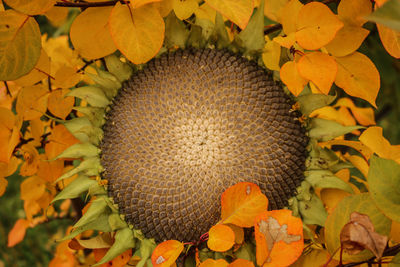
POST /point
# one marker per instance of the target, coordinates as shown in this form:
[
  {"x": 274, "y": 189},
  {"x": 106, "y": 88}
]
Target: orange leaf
[
  {"x": 137, "y": 33},
  {"x": 239, "y": 11},
  {"x": 32, "y": 188},
  {"x": 390, "y": 40},
  {"x": 214, "y": 263},
  {"x": 279, "y": 238},
  {"x": 221, "y": 238},
  {"x": 239, "y": 233},
  {"x": 166, "y": 253},
  {"x": 374, "y": 139},
  {"x": 9, "y": 134},
  {"x": 241, "y": 203},
  {"x": 64, "y": 256},
  {"x": 359, "y": 82},
  {"x": 320, "y": 68},
  {"x": 59, "y": 139},
  {"x": 289, "y": 15},
  {"x": 66, "y": 77},
  {"x": 32, "y": 102},
  {"x": 50, "y": 170},
  {"x": 119, "y": 261},
  {"x": 316, "y": 26},
  {"x": 17, "y": 233},
  {"x": 59, "y": 105},
  {"x": 3, "y": 185},
  {"x": 31, "y": 157},
  {"x": 353, "y": 12},
  {"x": 347, "y": 40},
  {"x": 292, "y": 78},
  {"x": 241, "y": 263},
  {"x": 88, "y": 28}
]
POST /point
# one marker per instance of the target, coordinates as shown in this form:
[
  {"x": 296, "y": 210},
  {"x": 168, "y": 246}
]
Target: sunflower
[{"x": 166, "y": 139}]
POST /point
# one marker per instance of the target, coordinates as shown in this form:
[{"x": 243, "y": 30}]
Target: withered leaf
[{"x": 359, "y": 234}]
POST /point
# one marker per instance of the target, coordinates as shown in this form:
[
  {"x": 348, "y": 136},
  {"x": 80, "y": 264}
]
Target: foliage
[{"x": 52, "y": 104}]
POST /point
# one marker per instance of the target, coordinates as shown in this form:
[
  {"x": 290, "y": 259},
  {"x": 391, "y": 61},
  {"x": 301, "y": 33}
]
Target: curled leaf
[{"x": 359, "y": 234}]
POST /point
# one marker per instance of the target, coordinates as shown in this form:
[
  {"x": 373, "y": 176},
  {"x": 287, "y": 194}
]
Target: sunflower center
[{"x": 187, "y": 127}]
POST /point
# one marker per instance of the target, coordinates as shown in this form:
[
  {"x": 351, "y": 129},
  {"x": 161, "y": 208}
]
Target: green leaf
[
  {"x": 246, "y": 252},
  {"x": 146, "y": 248},
  {"x": 116, "y": 222},
  {"x": 20, "y": 44},
  {"x": 92, "y": 94},
  {"x": 361, "y": 203},
  {"x": 124, "y": 240},
  {"x": 118, "y": 68},
  {"x": 83, "y": 130},
  {"x": 79, "y": 150},
  {"x": 326, "y": 179},
  {"x": 90, "y": 166},
  {"x": 97, "y": 207},
  {"x": 195, "y": 37},
  {"x": 384, "y": 184},
  {"x": 94, "y": 114},
  {"x": 395, "y": 261},
  {"x": 388, "y": 14},
  {"x": 100, "y": 224},
  {"x": 75, "y": 188},
  {"x": 325, "y": 130},
  {"x": 106, "y": 81},
  {"x": 312, "y": 211},
  {"x": 310, "y": 102},
  {"x": 252, "y": 37},
  {"x": 101, "y": 241},
  {"x": 220, "y": 34},
  {"x": 176, "y": 33},
  {"x": 207, "y": 27}
]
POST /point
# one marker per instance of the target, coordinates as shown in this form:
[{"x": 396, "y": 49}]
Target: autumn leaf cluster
[{"x": 312, "y": 48}]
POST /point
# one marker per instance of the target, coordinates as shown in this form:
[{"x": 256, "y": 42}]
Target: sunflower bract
[{"x": 188, "y": 126}]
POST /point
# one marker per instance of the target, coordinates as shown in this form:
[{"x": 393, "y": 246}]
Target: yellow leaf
[
  {"x": 66, "y": 77},
  {"x": 347, "y": 40},
  {"x": 320, "y": 68},
  {"x": 32, "y": 188},
  {"x": 9, "y": 134},
  {"x": 205, "y": 12},
  {"x": 32, "y": 102},
  {"x": 241, "y": 263},
  {"x": 165, "y": 7},
  {"x": 166, "y": 253},
  {"x": 241, "y": 203},
  {"x": 374, "y": 139},
  {"x": 289, "y": 15},
  {"x": 239, "y": 11},
  {"x": 273, "y": 8},
  {"x": 359, "y": 163},
  {"x": 315, "y": 257},
  {"x": 353, "y": 12},
  {"x": 31, "y": 157},
  {"x": 17, "y": 233},
  {"x": 6, "y": 100},
  {"x": 220, "y": 238},
  {"x": 184, "y": 9},
  {"x": 279, "y": 238},
  {"x": 139, "y": 3},
  {"x": 341, "y": 116},
  {"x": 363, "y": 149},
  {"x": 31, "y": 7},
  {"x": 16, "y": 57},
  {"x": 316, "y": 26},
  {"x": 287, "y": 41},
  {"x": 57, "y": 15},
  {"x": 38, "y": 73},
  {"x": 90, "y": 35},
  {"x": 271, "y": 54},
  {"x": 390, "y": 40},
  {"x": 138, "y": 33},
  {"x": 59, "y": 105},
  {"x": 364, "y": 116},
  {"x": 214, "y": 263},
  {"x": 292, "y": 78},
  {"x": 60, "y": 53},
  {"x": 362, "y": 82},
  {"x": 331, "y": 197}
]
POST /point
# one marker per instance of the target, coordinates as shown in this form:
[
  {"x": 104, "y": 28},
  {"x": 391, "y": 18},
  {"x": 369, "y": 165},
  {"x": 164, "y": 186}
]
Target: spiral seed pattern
[{"x": 188, "y": 126}]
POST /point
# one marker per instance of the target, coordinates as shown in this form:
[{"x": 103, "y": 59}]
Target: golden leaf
[
  {"x": 364, "y": 116},
  {"x": 59, "y": 140},
  {"x": 138, "y": 33},
  {"x": 271, "y": 54},
  {"x": 214, "y": 263},
  {"x": 390, "y": 40},
  {"x": 59, "y": 105},
  {"x": 139, "y": 3},
  {"x": 88, "y": 28},
  {"x": 292, "y": 78},
  {"x": 31, "y": 160},
  {"x": 273, "y": 9},
  {"x": 359, "y": 82},
  {"x": 31, "y": 7},
  {"x": 166, "y": 253},
  {"x": 38, "y": 73},
  {"x": 289, "y": 15},
  {"x": 320, "y": 68},
  {"x": 17, "y": 58},
  {"x": 239, "y": 12},
  {"x": 316, "y": 26},
  {"x": 353, "y": 12},
  {"x": 32, "y": 102},
  {"x": 57, "y": 15},
  {"x": 184, "y": 9},
  {"x": 347, "y": 40}
]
